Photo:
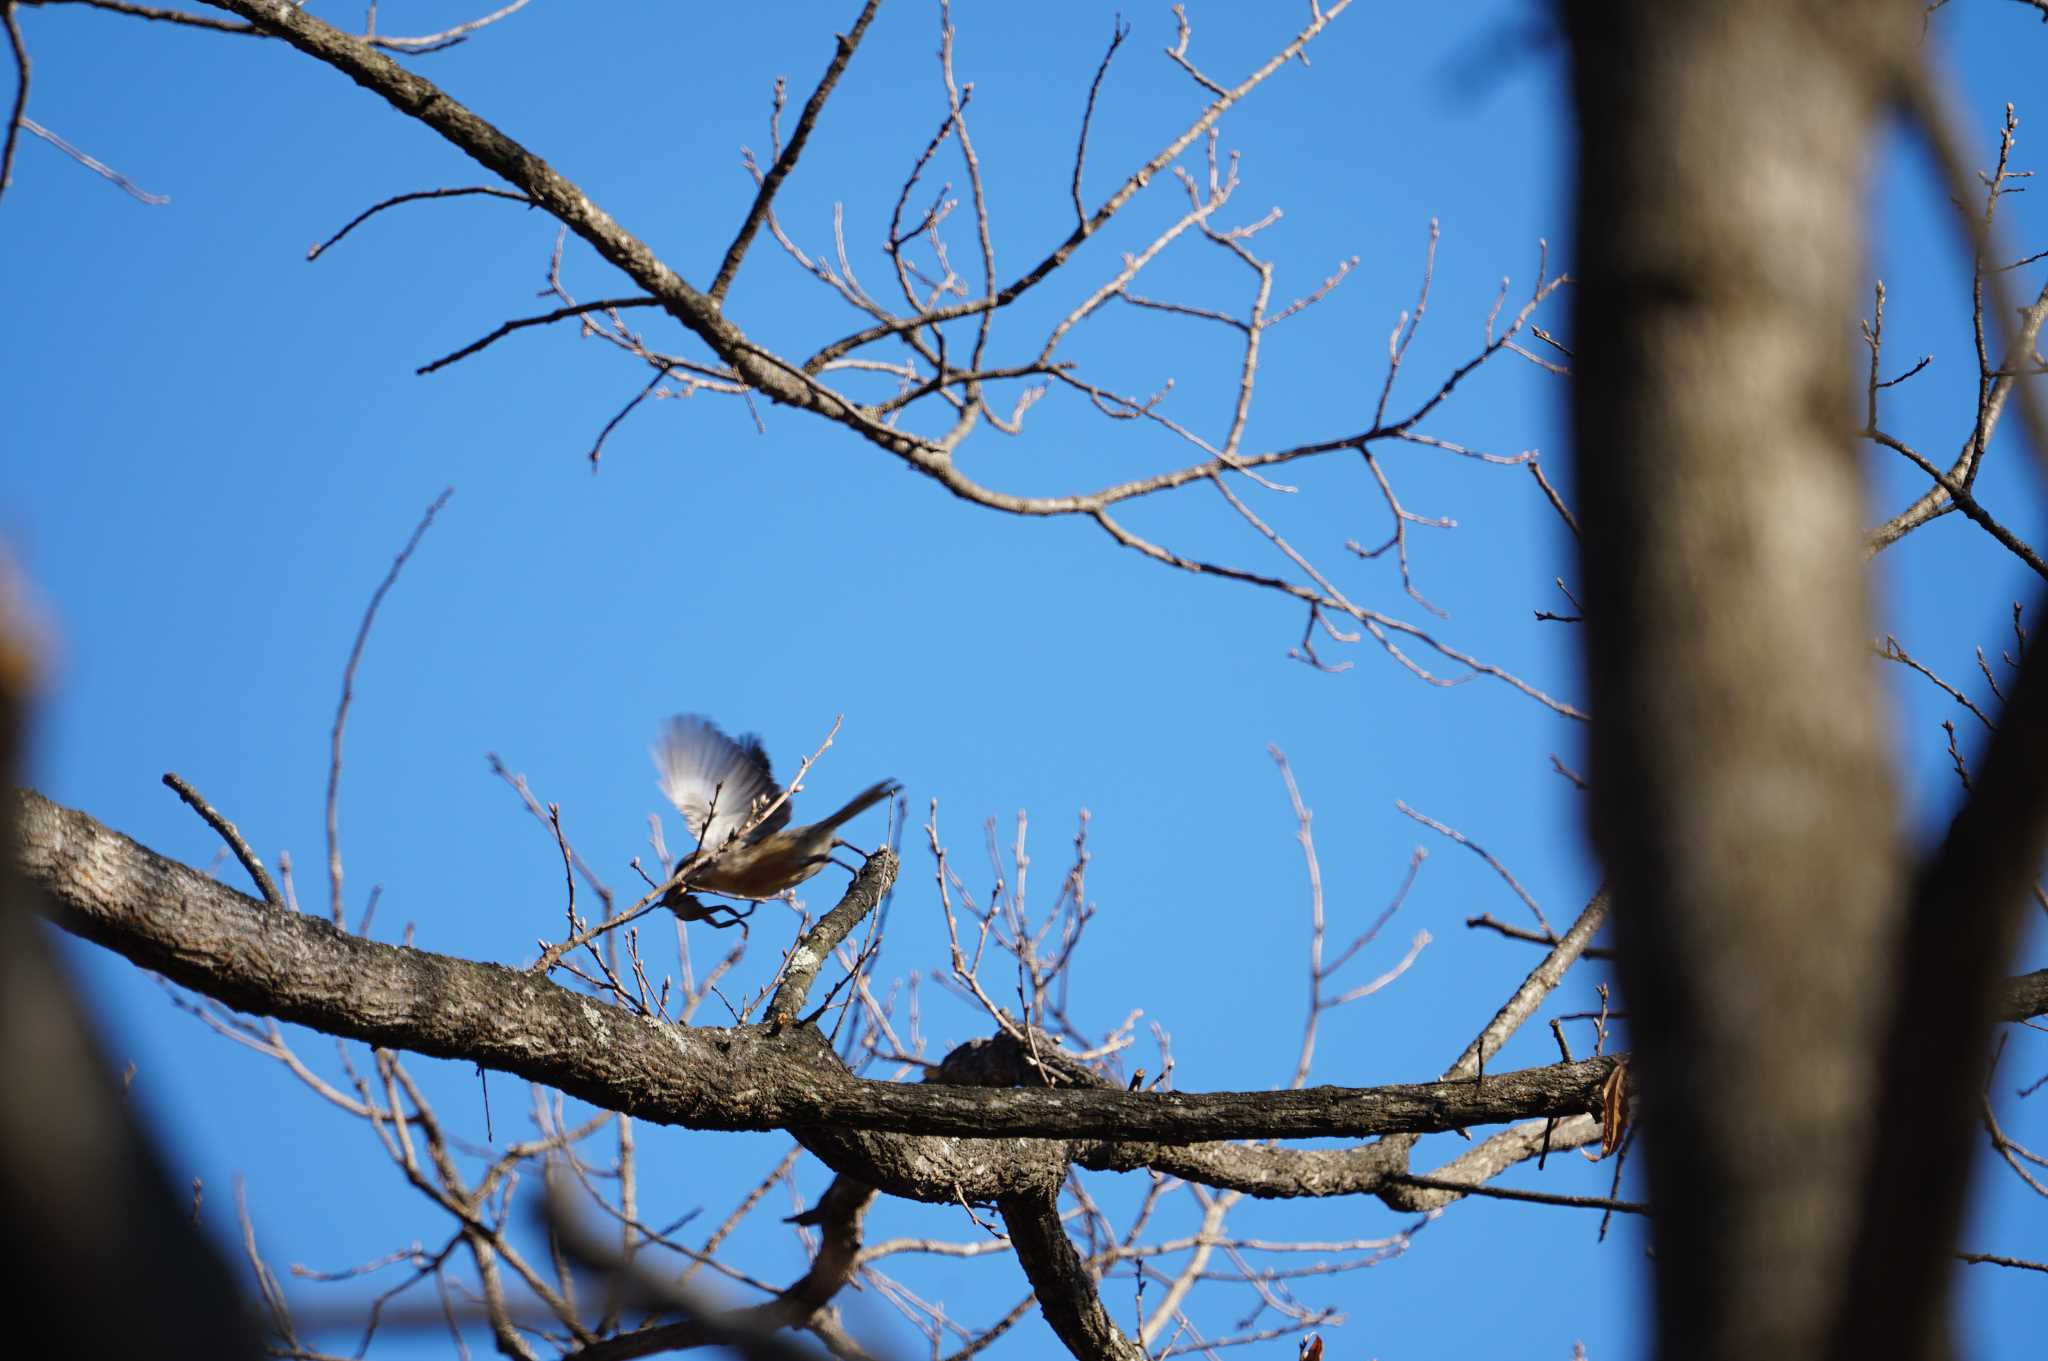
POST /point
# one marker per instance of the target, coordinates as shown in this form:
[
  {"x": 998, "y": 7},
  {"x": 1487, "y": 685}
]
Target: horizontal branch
[
  {"x": 174, "y": 920},
  {"x": 2024, "y": 997},
  {"x": 161, "y": 15}
]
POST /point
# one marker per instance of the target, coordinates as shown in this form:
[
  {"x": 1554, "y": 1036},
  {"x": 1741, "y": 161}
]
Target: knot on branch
[{"x": 1005, "y": 1060}]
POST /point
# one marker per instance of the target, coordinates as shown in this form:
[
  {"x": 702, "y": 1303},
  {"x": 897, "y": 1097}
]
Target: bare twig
[
  {"x": 348, "y": 684},
  {"x": 16, "y": 115},
  {"x": 228, "y": 833},
  {"x": 1118, "y": 31},
  {"x": 1532, "y": 1197},
  {"x": 489, "y": 190},
  {"x": 772, "y": 180},
  {"x": 1507, "y": 876},
  {"x": 166, "y": 16},
  {"x": 100, "y": 168}
]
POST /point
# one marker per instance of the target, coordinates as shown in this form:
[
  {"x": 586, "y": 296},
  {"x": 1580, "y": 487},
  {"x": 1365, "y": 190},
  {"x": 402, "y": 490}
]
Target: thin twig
[
  {"x": 489, "y": 190},
  {"x": 1486, "y": 921},
  {"x": 771, "y": 181},
  {"x": 167, "y": 16},
  {"x": 1533, "y": 1197},
  {"x": 1469, "y": 844},
  {"x": 447, "y": 37},
  {"x": 1550, "y": 493},
  {"x": 1118, "y": 31},
  {"x": 1993, "y": 1259},
  {"x": 228, "y": 833},
  {"x": 519, "y": 323},
  {"x": 348, "y": 683},
  {"x": 16, "y": 116},
  {"x": 98, "y": 167}
]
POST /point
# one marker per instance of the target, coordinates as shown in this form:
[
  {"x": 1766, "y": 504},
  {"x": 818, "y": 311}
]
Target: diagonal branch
[
  {"x": 521, "y": 323},
  {"x": 421, "y": 99},
  {"x": 1963, "y": 923},
  {"x": 1936, "y": 499},
  {"x": 786, "y": 162},
  {"x": 229, "y": 833},
  {"x": 1066, "y": 1289},
  {"x": 838, "y": 1214},
  {"x": 1963, "y": 927},
  {"x": 15, "y": 116},
  {"x": 817, "y": 944}
]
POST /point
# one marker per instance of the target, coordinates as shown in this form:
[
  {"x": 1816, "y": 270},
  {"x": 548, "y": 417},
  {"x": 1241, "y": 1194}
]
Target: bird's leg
[
  {"x": 735, "y": 917},
  {"x": 865, "y": 856}
]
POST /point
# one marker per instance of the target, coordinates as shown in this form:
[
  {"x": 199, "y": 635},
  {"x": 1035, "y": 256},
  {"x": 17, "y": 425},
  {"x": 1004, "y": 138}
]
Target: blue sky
[{"x": 216, "y": 448}]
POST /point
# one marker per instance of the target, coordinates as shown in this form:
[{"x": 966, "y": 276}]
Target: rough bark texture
[
  {"x": 2023, "y": 997},
  {"x": 176, "y": 921},
  {"x": 800, "y": 970},
  {"x": 1742, "y": 796},
  {"x": 1066, "y": 1291}
]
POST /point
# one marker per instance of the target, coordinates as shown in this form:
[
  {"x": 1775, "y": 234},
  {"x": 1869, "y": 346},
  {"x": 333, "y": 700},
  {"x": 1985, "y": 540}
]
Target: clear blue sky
[{"x": 215, "y": 448}]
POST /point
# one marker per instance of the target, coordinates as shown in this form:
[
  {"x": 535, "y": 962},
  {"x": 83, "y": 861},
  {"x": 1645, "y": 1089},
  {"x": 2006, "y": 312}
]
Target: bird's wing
[{"x": 714, "y": 781}]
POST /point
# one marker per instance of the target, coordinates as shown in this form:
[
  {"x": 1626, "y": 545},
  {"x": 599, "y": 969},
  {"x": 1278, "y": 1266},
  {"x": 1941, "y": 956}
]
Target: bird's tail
[{"x": 863, "y": 801}]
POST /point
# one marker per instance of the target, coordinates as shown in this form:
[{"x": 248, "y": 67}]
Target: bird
[{"x": 719, "y": 785}]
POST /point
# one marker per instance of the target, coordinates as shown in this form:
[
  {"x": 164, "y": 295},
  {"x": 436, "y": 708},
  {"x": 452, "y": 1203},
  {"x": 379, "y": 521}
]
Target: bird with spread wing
[{"x": 721, "y": 787}]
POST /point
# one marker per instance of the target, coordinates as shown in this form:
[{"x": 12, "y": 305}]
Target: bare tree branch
[
  {"x": 348, "y": 685},
  {"x": 1066, "y": 1289},
  {"x": 785, "y": 162},
  {"x": 208, "y": 937}
]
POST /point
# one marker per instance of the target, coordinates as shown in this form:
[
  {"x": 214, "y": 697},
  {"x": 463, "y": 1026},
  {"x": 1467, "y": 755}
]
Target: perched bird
[{"x": 718, "y": 785}]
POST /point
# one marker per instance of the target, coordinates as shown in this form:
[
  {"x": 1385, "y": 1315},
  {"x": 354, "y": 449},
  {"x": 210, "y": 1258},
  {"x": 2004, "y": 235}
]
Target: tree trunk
[{"x": 1743, "y": 799}]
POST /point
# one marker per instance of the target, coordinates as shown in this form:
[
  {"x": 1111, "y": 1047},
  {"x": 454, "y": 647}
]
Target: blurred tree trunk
[
  {"x": 1742, "y": 794},
  {"x": 105, "y": 1256}
]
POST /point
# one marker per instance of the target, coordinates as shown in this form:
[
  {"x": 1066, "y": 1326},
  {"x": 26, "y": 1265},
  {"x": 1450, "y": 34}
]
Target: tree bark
[
  {"x": 1743, "y": 799},
  {"x": 171, "y": 919}
]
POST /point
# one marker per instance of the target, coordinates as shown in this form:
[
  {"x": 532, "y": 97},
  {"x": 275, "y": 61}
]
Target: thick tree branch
[
  {"x": 1541, "y": 981},
  {"x": 173, "y": 920},
  {"x": 2024, "y": 997},
  {"x": 176, "y": 921},
  {"x": 1066, "y": 1291}
]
